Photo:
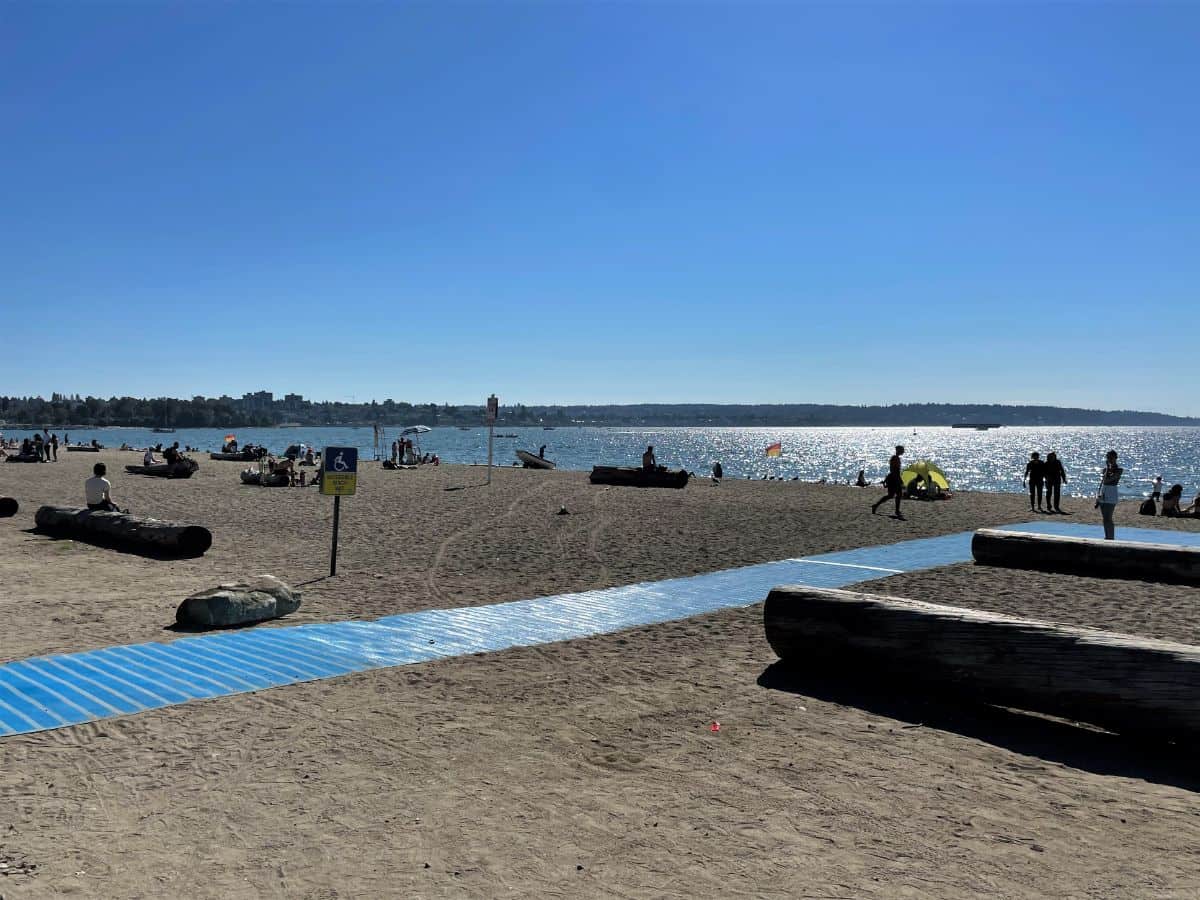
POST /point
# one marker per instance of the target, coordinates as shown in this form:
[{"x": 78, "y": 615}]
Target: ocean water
[{"x": 973, "y": 460}]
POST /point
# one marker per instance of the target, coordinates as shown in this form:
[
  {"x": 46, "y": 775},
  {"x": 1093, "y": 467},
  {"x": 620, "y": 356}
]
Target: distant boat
[
  {"x": 289, "y": 425},
  {"x": 978, "y": 426},
  {"x": 464, "y": 427},
  {"x": 547, "y": 428},
  {"x": 163, "y": 430}
]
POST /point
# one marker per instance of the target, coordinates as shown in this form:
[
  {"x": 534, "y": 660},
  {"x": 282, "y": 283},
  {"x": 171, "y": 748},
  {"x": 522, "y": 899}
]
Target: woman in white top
[
  {"x": 1109, "y": 494},
  {"x": 98, "y": 491}
]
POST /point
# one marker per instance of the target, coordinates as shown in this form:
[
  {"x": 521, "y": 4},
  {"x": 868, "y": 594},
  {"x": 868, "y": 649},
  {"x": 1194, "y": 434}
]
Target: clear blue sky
[{"x": 571, "y": 202}]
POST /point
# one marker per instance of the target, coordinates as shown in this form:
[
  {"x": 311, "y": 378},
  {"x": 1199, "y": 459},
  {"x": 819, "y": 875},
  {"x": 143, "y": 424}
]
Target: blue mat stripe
[{"x": 66, "y": 689}]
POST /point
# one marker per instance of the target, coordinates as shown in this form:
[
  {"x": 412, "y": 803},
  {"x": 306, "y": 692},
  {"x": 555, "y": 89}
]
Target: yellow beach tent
[{"x": 927, "y": 471}]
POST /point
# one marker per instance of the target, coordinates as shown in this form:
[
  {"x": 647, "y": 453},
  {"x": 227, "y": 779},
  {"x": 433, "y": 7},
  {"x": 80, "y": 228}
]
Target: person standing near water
[
  {"x": 1035, "y": 477},
  {"x": 1108, "y": 496},
  {"x": 894, "y": 483},
  {"x": 1056, "y": 477}
]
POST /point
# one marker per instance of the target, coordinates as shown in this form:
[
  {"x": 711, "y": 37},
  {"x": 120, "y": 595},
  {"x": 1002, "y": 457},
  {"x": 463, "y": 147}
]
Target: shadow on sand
[{"x": 1098, "y": 752}]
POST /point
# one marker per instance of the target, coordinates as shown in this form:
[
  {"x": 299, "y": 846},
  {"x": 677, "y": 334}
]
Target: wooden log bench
[
  {"x": 1087, "y": 556},
  {"x": 1127, "y": 684},
  {"x": 137, "y": 532}
]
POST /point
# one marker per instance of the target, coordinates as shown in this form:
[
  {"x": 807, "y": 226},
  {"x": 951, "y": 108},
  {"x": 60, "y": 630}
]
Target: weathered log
[
  {"x": 628, "y": 476},
  {"x": 135, "y": 531},
  {"x": 256, "y": 600},
  {"x": 183, "y": 468},
  {"x": 8, "y": 507},
  {"x": 1087, "y": 556},
  {"x": 1120, "y": 682}
]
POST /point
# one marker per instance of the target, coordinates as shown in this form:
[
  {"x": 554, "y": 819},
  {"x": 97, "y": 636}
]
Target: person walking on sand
[
  {"x": 1056, "y": 477},
  {"x": 1156, "y": 492},
  {"x": 718, "y": 472},
  {"x": 893, "y": 483},
  {"x": 1035, "y": 477},
  {"x": 1108, "y": 495},
  {"x": 54, "y": 445}
]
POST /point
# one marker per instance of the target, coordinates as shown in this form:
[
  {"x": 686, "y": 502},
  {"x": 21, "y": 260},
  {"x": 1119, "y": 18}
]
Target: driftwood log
[
  {"x": 122, "y": 528},
  {"x": 184, "y": 468},
  {"x": 256, "y": 600},
  {"x": 1120, "y": 682},
  {"x": 628, "y": 476},
  {"x": 8, "y": 507},
  {"x": 1087, "y": 556}
]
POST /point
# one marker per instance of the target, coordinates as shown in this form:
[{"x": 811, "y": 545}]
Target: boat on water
[
  {"x": 162, "y": 430},
  {"x": 533, "y": 461},
  {"x": 978, "y": 426},
  {"x": 630, "y": 476},
  {"x": 289, "y": 425}
]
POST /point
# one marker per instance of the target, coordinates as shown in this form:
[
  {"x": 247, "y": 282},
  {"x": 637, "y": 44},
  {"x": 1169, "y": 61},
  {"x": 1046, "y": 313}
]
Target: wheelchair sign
[{"x": 339, "y": 476}]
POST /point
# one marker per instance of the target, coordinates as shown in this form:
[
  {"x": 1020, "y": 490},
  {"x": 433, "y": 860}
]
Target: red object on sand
[{"x": 716, "y": 726}]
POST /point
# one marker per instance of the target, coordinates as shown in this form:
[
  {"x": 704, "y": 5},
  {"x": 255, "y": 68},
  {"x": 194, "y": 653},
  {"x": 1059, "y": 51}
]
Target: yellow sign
[
  {"x": 339, "y": 476},
  {"x": 338, "y": 484}
]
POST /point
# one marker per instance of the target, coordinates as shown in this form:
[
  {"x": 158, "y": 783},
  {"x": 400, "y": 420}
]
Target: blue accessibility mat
[{"x": 66, "y": 689}]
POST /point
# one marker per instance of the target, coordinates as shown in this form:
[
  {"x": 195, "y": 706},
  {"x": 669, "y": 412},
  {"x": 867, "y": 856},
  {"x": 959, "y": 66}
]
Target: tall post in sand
[{"x": 493, "y": 409}]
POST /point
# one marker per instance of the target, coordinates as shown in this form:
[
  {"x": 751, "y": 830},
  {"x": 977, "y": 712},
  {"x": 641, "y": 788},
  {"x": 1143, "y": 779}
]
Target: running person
[{"x": 893, "y": 483}]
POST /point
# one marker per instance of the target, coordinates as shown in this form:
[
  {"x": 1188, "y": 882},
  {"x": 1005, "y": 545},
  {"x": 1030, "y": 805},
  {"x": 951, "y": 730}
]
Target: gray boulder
[{"x": 255, "y": 600}]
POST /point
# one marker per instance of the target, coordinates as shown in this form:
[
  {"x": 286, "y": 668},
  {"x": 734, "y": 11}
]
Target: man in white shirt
[
  {"x": 148, "y": 457},
  {"x": 98, "y": 490}
]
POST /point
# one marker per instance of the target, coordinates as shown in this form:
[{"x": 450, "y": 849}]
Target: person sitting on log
[
  {"x": 649, "y": 463},
  {"x": 148, "y": 457},
  {"x": 171, "y": 454},
  {"x": 98, "y": 490}
]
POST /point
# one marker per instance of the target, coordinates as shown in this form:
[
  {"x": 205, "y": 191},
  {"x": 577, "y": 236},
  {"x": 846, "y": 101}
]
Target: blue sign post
[{"x": 339, "y": 478}]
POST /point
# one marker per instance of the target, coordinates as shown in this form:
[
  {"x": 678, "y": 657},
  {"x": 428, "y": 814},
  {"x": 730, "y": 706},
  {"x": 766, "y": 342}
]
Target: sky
[{"x": 603, "y": 202}]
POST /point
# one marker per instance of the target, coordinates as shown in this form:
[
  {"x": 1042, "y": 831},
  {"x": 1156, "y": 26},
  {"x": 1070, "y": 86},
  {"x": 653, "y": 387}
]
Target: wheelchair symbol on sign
[{"x": 339, "y": 464}]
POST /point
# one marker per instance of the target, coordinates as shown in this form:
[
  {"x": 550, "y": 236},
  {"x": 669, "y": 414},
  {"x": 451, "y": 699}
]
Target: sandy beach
[{"x": 583, "y": 768}]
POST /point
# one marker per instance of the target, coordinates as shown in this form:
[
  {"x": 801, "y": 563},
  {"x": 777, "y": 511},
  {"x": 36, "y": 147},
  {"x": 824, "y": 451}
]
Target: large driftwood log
[
  {"x": 135, "y": 531},
  {"x": 1120, "y": 682},
  {"x": 184, "y": 468},
  {"x": 8, "y": 507},
  {"x": 629, "y": 476},
  {"x": 1087, "y": 556},
  {"x": 260, "y": 598}
]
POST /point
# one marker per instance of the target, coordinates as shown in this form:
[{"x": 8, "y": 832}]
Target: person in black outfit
[
  {"x": 1056, "y": 477},
  {"x": 1035, "y": 477},
  {"x": 893, "y": 483}
]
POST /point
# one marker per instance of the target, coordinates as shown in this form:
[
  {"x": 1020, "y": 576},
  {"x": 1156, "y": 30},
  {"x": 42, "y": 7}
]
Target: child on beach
[{"x": 893, "y": 483}]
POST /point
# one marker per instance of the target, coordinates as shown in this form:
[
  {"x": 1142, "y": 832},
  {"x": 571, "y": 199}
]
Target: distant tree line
[{"x": 63, "y": 410}]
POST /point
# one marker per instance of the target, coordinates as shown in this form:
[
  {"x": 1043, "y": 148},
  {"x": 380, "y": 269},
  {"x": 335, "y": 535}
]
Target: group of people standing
[
  {"x": 44, "y": 446},
  {"x": 1045, "y": 475}
]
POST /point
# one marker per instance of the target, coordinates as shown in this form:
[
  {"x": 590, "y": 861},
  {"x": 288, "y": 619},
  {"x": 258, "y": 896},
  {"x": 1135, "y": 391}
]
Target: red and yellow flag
[{"x": 775, "y": 449}]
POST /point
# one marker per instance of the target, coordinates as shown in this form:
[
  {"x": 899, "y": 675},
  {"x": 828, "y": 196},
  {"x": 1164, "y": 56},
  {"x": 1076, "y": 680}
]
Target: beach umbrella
[{"x": 927, "y": 471}]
